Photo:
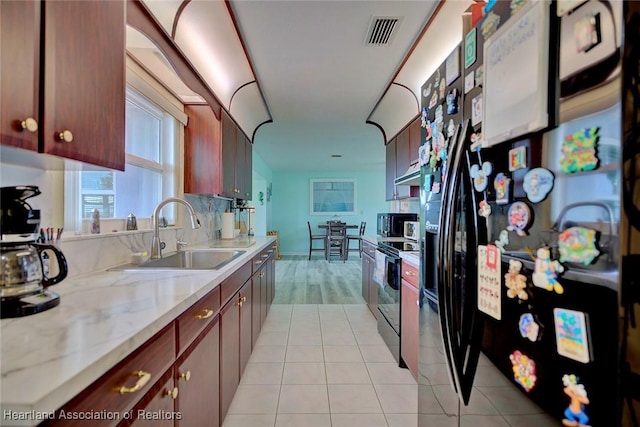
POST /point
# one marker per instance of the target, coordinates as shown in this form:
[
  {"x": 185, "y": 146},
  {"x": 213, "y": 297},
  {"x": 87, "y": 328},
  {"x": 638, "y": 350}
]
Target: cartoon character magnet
[
  {"x": 537, "y": 184},
  {"x": 546, "y": 271},
  {"x": 503, "y": 240},
  {"x": 452, "y": 101},
  {"x": 575, "y": 414},
  {"x": 424, "y": 117},
  {"x": 572, "y": 337},
  {"x": 485, "y": 209},
  {"x": 517, "y": 158},
  {"x": 579, "y": 151},
  {"x": 501, "y": 184},
  {"x": 516, "y": 282},
  {"x": 480, "y": 175},
  {"x": 578, "y": 244},
  {"x": 529, "y": 328},
  {"x": 524, "y": 370},
  {"x": 519, "y": 217}
]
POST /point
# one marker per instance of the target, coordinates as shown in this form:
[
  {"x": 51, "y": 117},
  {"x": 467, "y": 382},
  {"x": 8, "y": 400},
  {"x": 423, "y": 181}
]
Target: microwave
[
  {"x": 392, "y": 224},
  {"x": 411, "y": 230}
]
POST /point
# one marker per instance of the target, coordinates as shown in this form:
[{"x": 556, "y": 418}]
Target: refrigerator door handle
[{"x": 460, "y": 322}]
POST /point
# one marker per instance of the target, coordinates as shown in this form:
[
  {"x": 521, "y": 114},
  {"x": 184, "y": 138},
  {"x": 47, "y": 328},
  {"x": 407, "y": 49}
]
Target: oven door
[{"x": 389, "y": 302}]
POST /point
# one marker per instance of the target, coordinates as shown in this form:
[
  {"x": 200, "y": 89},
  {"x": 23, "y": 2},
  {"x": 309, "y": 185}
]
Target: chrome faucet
[{"x": 156, "y": 244}]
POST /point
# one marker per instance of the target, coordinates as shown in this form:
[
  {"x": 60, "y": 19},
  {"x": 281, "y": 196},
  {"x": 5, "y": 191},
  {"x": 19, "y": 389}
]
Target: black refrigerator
[{"x": 529, "y": 291}]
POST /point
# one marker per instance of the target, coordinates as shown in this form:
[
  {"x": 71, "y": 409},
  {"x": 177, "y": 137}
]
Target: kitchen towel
[
  {"x": 380, "y": 268},
  {"x": 228, "y": 225}
]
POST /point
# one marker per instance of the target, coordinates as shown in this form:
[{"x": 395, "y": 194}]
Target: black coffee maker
[{"x": 25, "y": 265}]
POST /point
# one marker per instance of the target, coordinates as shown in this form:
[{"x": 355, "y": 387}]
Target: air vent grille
[{"x": 381, "y": 30}]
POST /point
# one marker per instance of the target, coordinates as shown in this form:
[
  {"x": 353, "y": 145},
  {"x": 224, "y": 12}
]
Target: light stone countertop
[{"x": 49, "y": 357}]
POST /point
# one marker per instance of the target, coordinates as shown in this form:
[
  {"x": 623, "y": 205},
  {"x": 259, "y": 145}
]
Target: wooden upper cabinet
[
  {"x": 228, "y": 156},
  {"x": 19, "y": 73},
  {"x": 390, "y": 150},
  {"x": 403, "y": 157},
  {"x": 84, "y": 81},
  {"x": 202, "y": 145},
  {"x": 79, "y": 107},
  {"x": 237, "y": 157}
]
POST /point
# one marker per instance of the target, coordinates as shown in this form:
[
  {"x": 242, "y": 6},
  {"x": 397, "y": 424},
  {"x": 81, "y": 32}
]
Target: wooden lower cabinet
[
  {"x": 198, "y": 381},
  {"x": 409, "y": 321},
  {"x": 246, "y": 343},
  {"x": 369, "y": 286},
  {"x": 157, "y": 408},
  {"x": 229, "y": 354}
]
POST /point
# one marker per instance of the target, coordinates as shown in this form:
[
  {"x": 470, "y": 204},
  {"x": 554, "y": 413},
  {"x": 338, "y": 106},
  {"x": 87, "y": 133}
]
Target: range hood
[{"x": 411, "y": 176}]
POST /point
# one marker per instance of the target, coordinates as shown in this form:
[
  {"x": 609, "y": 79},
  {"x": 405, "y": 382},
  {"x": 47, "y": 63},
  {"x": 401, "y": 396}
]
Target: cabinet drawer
[
  {"x": 123, "y": 386},
  {"x": 260, "y": 259},
  {"x": 233, "y": 283},
  {"x": 197, "y": 317},
  {"x": 369, "y": 249},
  {"x": 410, "y": 274}
]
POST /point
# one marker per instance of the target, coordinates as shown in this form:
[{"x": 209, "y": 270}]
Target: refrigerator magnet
[
  {"x": 484, "y": 209},
  {"x": 501, "y": 183},
  {"x": 489, "y": 281},
  {"x": 579, "y": 151},
  {"x": 503, "y": 240},
  {"x": 529, "y": 327},
  {"x": 516, "y": 5},
  {"x": 452, "y": 101},
  {"x": 538, "y": 182},
  {"x": 519, "y": 218},
  {"x": 546, "y": 271},
  {"x": 578, "y": 244},
  {"x": 434, "y": 99},
  {"x": 479, "y": 78},
  {"x": 469, "y": 51},
  {"x": 424, "y": 117},
  {"x": 517, "y": 158},
  {"x": 476, "y": 141},
  {"x": 451, "y": 129},
  {"x": 480, "y": 175},
  {"x": 469, "y": 82},
  {"x": 516, "y": 282},
  {"x": 424, "y": 152},
  {"x": 524, "y": 370},
  {"x": 426, "y": 91},
  {"x": 572, "y": 339},
  {"x": 490, "y": 24},
  {"x": 442, "y": 88},
  {"x": 575, "y": 414},
  {"x": 476, "y": 110}
]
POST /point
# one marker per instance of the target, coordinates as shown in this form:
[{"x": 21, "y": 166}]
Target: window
[
  {"x": 333, "y": 196},
  {"x": 151, "y": 136}
]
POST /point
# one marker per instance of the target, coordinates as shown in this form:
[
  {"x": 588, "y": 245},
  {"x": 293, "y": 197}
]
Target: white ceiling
[{"x": 310, "y": 71}]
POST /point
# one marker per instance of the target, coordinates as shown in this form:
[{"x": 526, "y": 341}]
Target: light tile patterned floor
[{"x": 323, "y": 365}]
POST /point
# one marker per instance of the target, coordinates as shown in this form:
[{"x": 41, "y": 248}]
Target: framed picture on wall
[{"x": 333, "y": 196}]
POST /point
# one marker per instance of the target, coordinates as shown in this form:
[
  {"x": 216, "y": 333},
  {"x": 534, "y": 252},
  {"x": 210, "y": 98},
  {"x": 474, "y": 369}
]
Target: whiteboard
[{"x": 516, "y": 76}]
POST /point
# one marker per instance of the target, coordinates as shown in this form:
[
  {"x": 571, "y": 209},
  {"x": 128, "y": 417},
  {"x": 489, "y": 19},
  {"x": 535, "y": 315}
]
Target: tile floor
[{"x": 323, "y": 365}]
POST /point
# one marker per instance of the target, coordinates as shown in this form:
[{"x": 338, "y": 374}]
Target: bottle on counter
[{"x": 95, "y": 222}]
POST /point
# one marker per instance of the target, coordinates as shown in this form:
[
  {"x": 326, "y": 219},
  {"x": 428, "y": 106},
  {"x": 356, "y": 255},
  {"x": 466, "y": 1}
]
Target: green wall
[{"x": 290, "y": 206}]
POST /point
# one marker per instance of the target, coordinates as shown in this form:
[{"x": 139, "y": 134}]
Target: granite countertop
[{"x": 49, "y": 357}]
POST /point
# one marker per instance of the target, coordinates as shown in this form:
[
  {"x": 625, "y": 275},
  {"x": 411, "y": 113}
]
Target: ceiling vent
[{"x": 381, "y": 30}]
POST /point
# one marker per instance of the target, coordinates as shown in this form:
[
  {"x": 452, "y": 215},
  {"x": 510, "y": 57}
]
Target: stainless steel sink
[{"x": 200, "y": 259}]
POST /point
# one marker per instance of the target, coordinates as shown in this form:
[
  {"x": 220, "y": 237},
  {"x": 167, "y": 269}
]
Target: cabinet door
[
  {"x": 373, "y": 290},
  {"x": 409, "y": 326},
  {"x": 229, "y": 354},
  {"x": 228, "y": 156},
  {"x": 390, "y": 149},
  {"x": 246, "y": 342},
  {"x": 84, "y": 81},
  {"x": 160, "y": 400},
  {"x": 256, "y": 306},
  {"x": 403, "y": 160},
  {"x": 415, "y": 139},
  {"x": 198, "y": 381},
  {"x": 246, "y": 171},
  {"x": 202, "y": 174},
  {"x": 19, "y": 72},
  {"x": 366, "y": 266}
]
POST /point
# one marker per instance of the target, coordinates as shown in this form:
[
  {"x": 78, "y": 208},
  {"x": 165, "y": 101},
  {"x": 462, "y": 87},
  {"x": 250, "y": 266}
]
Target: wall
[{"x": 291, "y": 210}]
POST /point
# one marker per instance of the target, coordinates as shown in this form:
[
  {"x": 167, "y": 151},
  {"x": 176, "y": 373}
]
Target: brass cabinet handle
[
  {"x": 186, "y": 375},
  {"x": 65, "y": 136},
  {"x": 30, "y": 124},
  {"x": 258, "y": 261},
  {"x": 207, "y": 313},
  {"x": 264, "y": 255},
  {"x": 409, "y": 273},
  {"x": 143, "y": 379},
  {"x": 173, "y": 393}
]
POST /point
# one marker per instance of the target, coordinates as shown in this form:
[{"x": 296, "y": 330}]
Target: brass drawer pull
[
  {"x": 259, "y": 261},
  {"x": 207, "y": 313},
  {"x": 410, "y": 273},
  {"x": 143, "y": 379},
  {"x": 186, "y": 375}
]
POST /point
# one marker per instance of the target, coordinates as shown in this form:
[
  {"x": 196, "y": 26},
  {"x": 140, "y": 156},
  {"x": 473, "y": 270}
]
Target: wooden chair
[
  {"x": 336, "y": 240},
  {"x": 319, "y": 237},
  {"x": 357, "y": 238}
]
